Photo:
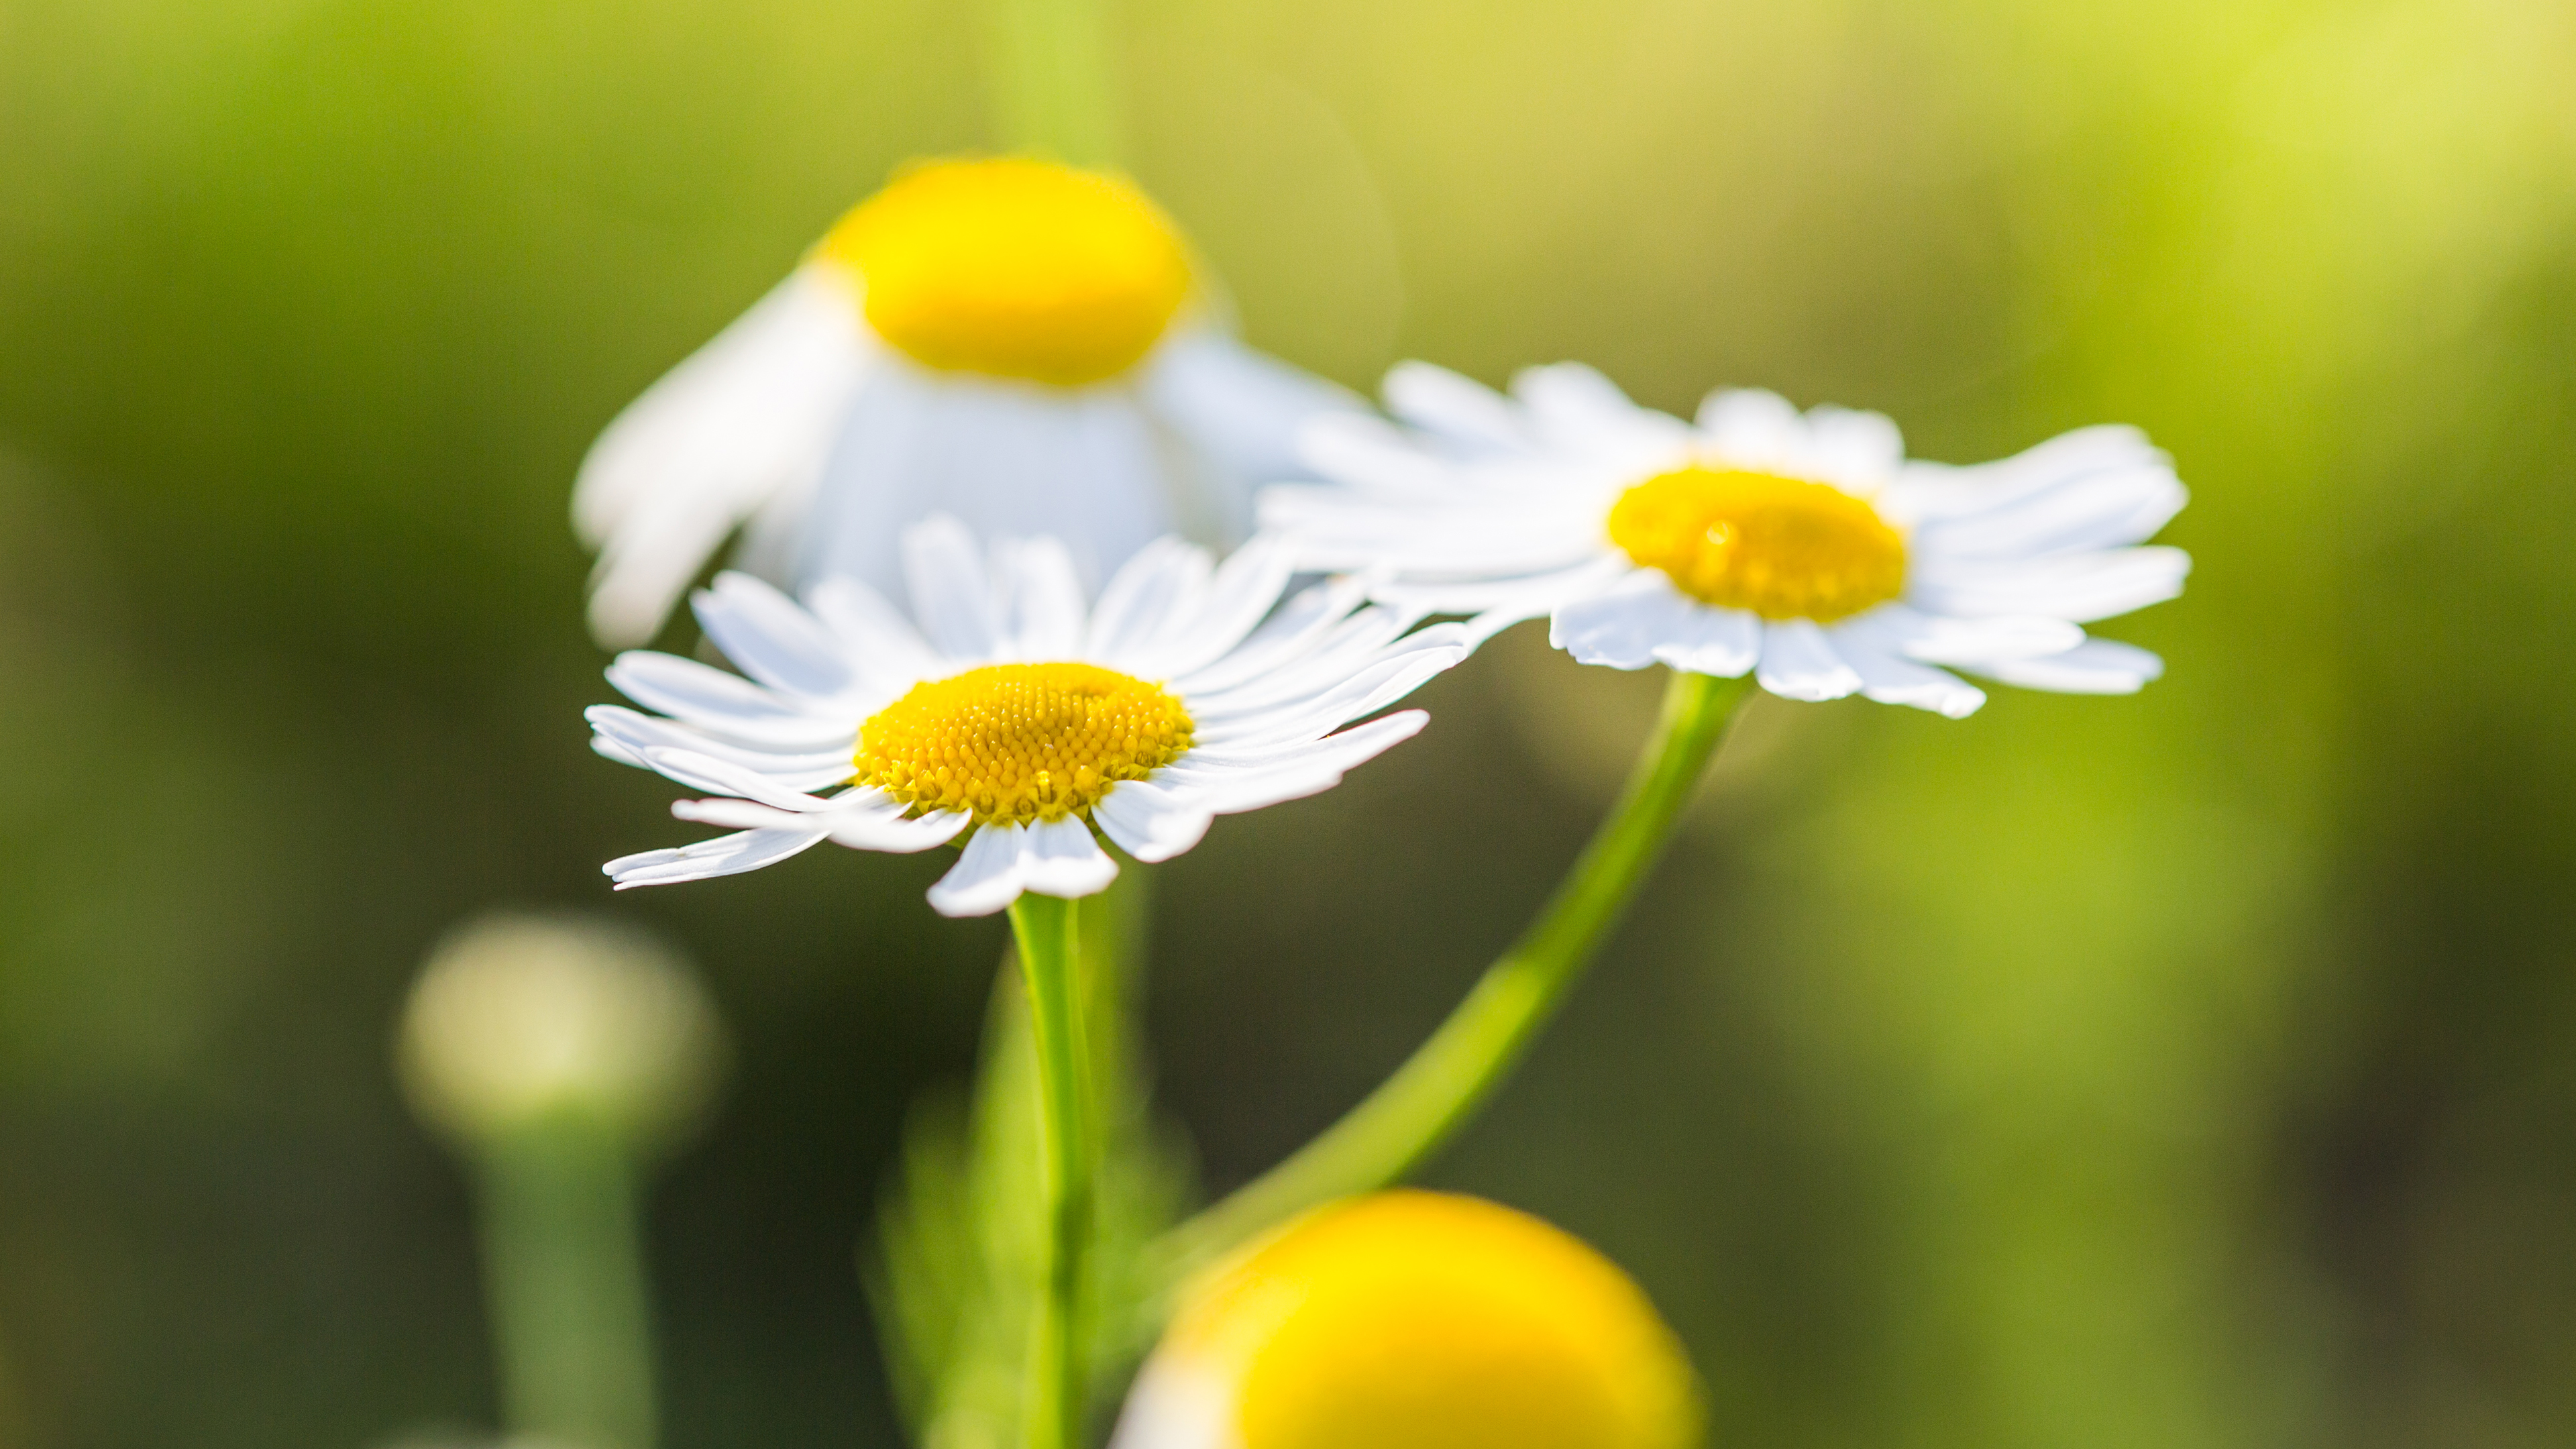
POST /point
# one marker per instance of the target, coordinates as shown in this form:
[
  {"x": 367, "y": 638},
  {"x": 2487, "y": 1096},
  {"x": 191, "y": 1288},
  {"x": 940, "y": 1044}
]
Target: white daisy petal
[
  {"x": 1175, "y": 1406},
  {"x": 989, "y": 874},
  {"x": 1149, "y": 821},
  {"x": 1889, "y": 679},
  {"x": 881, "y": 645},
  {"x": 1711, "y": 640},
  {"x": 703, "y": 771},
  {"x": 746, "y": 417},
  {"x": 1856, "y": 451},
  {"x": 1309, "y": 615},
  {"x": 1934, "y": 492},
  {"x": 1357, "y": 448},
  {"x": 722, "y": 704},
  {"x": 950, "y": 594},
  {"x": 1043, "y": 610},
  {"x": 1945, "y": 639},
  {"x": 2079, "y": 588},
  {"x": 724, "y": 855},
  {"x": 1290, "y": 692},
  {"x": 1155, "y": 589},
  {"x": 1002, "y": 458},
  {"x": 1363, "y": 695},
  {"x": 1749, "y": 428},
  {"x": 2101, "y": 509},
  {"x": 1573, "y": 407},
  {"x": 1310, "y": 771},
  {"x": 1522, "y": 596},
  {"x": 1063, "y": 860},
  {"x": 629, "y": 735},
  {"x": 744, "y": 815},
  {"x": 608, "y": 749},
  {"x": 897, "y": 834},
  {"x": 1799, "y": 662},
  {"x": 1454, "y": 407},
  {"x": 2096, "y": 666},
  {"x": 889, "y": 465},
  {"x": 1244, "y": 589},
  {"x": 1623, "y": 624},
  {"x": 771, "y": 639},
  {"x": 862, "y": 820},
  {"x": 1244, "y": 409}
]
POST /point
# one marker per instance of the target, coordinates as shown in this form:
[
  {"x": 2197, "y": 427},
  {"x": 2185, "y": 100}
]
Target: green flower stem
[
  {"x": 1416, "y": 1111},
  {"x": 1047, "y": 71},
  {"x": 564, "y": 1270},
  {"x": 1049, "y": 938}
]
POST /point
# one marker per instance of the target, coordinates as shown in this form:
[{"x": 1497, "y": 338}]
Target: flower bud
[
  {"x": 522, "y": 1017},
  {"x": 1415, "y": 1320}
]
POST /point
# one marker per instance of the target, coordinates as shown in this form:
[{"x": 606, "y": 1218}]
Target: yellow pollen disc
[
  {"x": 1015, "y": 268},
  {"x": 1416, "y": 1320},
  {"x": 1021, "y": 742},
  {"x": 1783, "y": 548}
]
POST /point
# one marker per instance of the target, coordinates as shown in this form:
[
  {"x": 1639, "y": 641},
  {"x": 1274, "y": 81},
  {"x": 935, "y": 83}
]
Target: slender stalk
[
  {"x": 1047, "y": 72},
  {"x": 1416, "y": 1111},
  {"x": 1049, "y": 939},
  {"x": 564, "y": 1270}
]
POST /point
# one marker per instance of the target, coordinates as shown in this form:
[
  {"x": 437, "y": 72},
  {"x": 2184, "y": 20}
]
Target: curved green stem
[
  {"x": 1416, "y": 1111},
  {"x": 1049, "y": 939},
  {"x": 1047, "y": 72}
]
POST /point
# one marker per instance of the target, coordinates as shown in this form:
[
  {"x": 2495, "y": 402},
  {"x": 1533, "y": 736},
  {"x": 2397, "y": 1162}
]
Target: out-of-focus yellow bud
[
  {"x": 519, "y": 1018},
  {"x": 1415, "y": 1320}
]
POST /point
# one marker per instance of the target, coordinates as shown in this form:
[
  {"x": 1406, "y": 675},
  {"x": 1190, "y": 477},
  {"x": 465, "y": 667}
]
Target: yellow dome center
[
  {"x": 1783, "y": 548},
  {"x": 1416, "y": 1320},
  {"x": 1021, "y": 742},
  {"x": 1015, "y": 268}
]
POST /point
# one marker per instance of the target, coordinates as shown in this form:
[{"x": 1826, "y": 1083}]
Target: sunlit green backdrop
[{"x": 2193, "y": 1070}]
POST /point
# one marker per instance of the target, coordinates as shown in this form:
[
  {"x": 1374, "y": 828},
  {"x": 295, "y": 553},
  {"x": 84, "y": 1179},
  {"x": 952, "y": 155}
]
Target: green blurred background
[{"x": 2191, "y": 1070}]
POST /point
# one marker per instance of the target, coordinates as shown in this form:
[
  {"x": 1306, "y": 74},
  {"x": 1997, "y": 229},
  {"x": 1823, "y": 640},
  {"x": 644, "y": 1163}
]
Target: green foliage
[{"x": 962, "y": 1229}]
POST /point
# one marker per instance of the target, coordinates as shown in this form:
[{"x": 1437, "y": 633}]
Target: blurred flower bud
[
  {"x": 1415, "y": 1320},
  {"x": 523, "y": 1017}
]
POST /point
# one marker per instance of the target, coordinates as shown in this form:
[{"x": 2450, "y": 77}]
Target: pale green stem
[
  {"x": 564, "y": 1270},
  {"x": 1416, "y": 1111},
  {"x": 1047, "y": 72},
  {"x": 1049, "y": 939}
]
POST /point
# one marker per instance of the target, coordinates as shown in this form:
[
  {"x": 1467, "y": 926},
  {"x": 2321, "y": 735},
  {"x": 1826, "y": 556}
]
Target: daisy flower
[
  {"x": 1806, "y": 548},
  {"x": 1411, "y": 1319},
  {"x": 1014, "y": 715},
  {"x": 1027, "y": 346}
]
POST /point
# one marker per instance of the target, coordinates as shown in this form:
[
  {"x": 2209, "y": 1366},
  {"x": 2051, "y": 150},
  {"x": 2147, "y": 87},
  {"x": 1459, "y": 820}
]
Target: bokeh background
[{"x": 2192, "y": 1070}]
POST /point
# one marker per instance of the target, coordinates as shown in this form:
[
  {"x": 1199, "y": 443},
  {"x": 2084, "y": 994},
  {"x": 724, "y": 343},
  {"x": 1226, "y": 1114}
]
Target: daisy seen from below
[
  {"x": 1803, "y": 547},
  {"x": 1027, "y": 346},
  {"x": 1014, "y": 715},
  {"x": 1415, "y": 1320}
]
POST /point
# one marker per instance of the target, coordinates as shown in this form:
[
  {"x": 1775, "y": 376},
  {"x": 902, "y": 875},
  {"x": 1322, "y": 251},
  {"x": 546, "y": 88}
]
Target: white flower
[
  {"x": 1806, "y": 548},
  {"x": 1014, "y": 712},
  {"x": 1020, "y": 344}
]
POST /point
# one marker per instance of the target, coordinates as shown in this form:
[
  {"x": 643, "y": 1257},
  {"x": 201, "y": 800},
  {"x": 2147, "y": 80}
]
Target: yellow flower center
[
  {"x": 1783, "y": 548},
  {"x": 1415, "y": 1320},
  {"x": 1015, "y": 268},
  {"x": 1021, "y": 742}
]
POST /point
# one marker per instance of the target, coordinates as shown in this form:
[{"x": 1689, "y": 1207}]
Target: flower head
[
  {"x": 1014, "y": 714},
  {"x": 1804, "y": 547},
  {"x": 1018, "y": 343},
  {"x": 1014, "y": 268},
  {"x": 517, "y": 1018},
  {"x": 1415, "y": 1320}
]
